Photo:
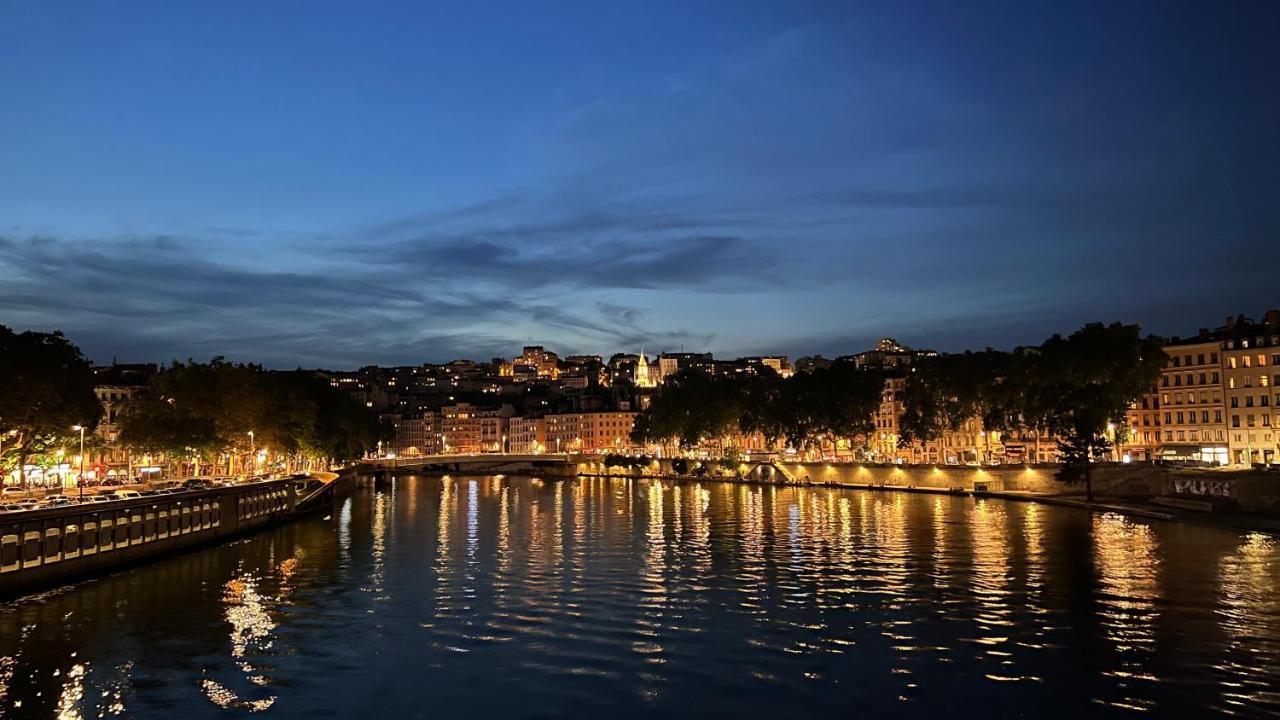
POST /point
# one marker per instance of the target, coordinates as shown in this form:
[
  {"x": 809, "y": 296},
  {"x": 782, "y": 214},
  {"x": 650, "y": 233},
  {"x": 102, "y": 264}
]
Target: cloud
[{"x": 158, "y": 298}]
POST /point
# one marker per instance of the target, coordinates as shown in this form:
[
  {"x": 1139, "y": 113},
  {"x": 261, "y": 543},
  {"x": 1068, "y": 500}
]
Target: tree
[
  {"x": 46, "y": 387},
  {"x": 1089, "y": 380},
  {"x": 942, "y": 393},
  {"x": 691, "y": 407},
  {"x": 210, "y": 409}
]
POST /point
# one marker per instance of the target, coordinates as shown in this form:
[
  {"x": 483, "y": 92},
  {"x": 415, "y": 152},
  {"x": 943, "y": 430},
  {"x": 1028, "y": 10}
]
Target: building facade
[{"x": 1191, "y": 403}]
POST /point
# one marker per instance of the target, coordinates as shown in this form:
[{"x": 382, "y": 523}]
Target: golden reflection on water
[
  {"x": 1249, "y": 613},
  {"x": 1128, "y": 562},
  {"x": 7, "y": 664},
  {"x": 650, "y": 622},
  {"x": 245, "y": 610},
  {"x": 72, "y": 693},
  {"x": 990, "y": 584},
  {"x": 652, "y": 587},
  {"x": 379, "y": 547}
]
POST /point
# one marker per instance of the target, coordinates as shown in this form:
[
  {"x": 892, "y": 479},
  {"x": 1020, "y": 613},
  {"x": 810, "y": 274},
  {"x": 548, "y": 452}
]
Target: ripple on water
[{"x": 508, "y": 596}]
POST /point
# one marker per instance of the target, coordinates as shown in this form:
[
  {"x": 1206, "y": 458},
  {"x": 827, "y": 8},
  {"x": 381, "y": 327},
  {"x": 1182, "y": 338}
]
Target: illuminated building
[
  {"x": 1190, "y": 409},
  {"x": 1251, "y": 370},
  {"x": 527, "y": 435}
]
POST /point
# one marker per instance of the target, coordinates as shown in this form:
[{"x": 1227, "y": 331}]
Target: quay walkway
[{"x": 49, "y": 546}]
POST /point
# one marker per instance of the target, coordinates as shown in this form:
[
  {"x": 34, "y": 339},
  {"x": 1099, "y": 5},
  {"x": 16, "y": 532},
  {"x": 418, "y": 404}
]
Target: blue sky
[{"x": 342, "y": 184}]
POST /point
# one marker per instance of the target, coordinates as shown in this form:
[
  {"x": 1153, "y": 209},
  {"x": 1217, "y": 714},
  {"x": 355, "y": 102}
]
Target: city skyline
[{"x": 426, "y": 184}]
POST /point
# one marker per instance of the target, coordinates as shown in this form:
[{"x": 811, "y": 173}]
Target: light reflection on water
[{"x": 527, "y": 598}]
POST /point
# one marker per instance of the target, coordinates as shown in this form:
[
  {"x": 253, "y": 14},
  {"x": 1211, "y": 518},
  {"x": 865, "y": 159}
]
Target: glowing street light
[{"x": 80, "y": 480}]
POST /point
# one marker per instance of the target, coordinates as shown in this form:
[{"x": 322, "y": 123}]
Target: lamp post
[
  {"x": 80, "y": 480},
  {"x": 251, "y": 447}
]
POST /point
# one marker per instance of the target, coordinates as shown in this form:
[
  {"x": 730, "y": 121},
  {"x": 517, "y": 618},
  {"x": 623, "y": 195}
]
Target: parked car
[
  {"x": 113, "y": 482},
  {"x": 12, "y": 507},
  {"x": 56, "y": 501},
  {"x": 125, "y": 494},
  {"x": 11, "y": 491},
  {"x": 98, "y": 498},
  {"x": 196, "y": 484}
]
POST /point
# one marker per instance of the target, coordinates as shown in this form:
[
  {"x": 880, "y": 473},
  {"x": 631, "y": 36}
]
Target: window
[
  {"x": 1263, "y": 381},
  {"x": 1248, "y": 401},
  {"x": 1176, "y": 361},
  {"x": 1202, "y": 378},
  {"x": 1235, "y": 421},
  {"x": 1246, "y": 361},
  {"x": 1213, "y": 358},
  {"x": 1217, "y": 416},
  {"x": 1235, "y": 402},
  {"x": 1179, "y": 418},
  {"x": 1231, "y": 383},
  {"x": 1168, "y": 418},
  {"x": 1204, "y": 416},
  {"x": 1216, "y": 378},
  {"x": 1231, "y": 363},
  {"x": 1200, "y": 358}
]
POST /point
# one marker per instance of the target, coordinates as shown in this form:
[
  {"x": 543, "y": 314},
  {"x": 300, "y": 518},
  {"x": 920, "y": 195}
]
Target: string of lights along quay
[{"x": 494, "y": 596}]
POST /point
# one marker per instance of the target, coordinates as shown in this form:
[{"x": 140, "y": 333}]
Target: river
[{"x": 514, "y": 597}]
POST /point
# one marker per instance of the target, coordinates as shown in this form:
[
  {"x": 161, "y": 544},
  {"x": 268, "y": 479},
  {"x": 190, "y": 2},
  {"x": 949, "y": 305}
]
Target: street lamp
[
  {"x": 80, "y": 480},
  {"x": 251, "y": 448}
]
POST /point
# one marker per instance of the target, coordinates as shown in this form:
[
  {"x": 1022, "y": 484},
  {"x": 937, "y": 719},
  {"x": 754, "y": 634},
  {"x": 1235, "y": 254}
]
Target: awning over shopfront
[{"x": 1195, "y": 451}]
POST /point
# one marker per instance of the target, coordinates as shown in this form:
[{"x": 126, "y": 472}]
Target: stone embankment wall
[{"x": 1254, "y": 491}]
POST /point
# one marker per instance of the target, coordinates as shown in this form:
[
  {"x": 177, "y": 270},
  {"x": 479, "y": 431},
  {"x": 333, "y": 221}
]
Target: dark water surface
[{"x": 511, "y": 597}]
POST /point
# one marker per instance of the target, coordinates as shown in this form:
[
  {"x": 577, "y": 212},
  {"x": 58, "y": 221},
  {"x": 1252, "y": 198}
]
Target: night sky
[{"x": 317, "y": 185}]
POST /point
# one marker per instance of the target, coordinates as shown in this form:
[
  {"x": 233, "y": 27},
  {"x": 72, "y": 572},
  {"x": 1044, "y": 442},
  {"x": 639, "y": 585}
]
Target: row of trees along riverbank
[
  {"x": 193, "y": 412},
  {"x": 1069, "y": 388}
]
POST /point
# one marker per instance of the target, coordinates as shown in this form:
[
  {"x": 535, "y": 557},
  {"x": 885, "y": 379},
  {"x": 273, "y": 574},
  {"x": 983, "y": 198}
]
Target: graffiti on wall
[{"x": 1203, "y": 487}]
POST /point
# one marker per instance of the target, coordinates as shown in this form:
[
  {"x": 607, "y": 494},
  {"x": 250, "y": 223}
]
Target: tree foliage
[
  {"x": 210, "y": 408},
  {"x": 46, "y": 387},
  {"x": 834, "y": 402}
]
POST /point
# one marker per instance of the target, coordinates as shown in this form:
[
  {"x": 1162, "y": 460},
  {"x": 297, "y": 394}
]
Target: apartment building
[
  {"x": 1251, "y": 366},
  {"x": 1191, "y": 402},
  {"x": 590, "y": 431},
  {"x": 527, "y": 435}
]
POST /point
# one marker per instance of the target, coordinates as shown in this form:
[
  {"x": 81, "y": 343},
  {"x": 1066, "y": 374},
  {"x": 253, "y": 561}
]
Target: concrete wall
[
  {"x": 1252, "y": 491},
  {"x": 41, "y": 548}
]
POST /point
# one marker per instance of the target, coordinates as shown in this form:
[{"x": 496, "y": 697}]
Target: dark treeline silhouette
[
  {"x": 188, "y": 410},
  {"x": 1069, "y": 389}
]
